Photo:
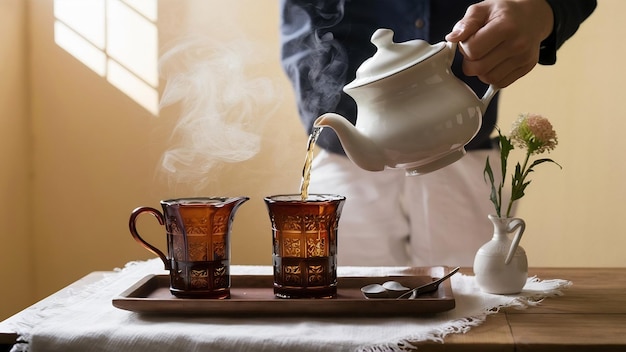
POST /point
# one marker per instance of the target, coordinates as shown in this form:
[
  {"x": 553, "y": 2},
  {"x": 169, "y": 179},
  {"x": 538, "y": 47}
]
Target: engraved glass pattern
[
  {"x": 198, "y": 243},
  {"x": 304, "y": 235}
]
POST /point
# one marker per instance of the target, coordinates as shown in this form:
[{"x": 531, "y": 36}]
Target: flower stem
[{"x": 518, "y": 183}]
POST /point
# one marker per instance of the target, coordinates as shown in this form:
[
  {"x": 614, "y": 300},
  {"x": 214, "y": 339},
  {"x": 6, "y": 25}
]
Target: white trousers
[{"x": 388, "y": 218}]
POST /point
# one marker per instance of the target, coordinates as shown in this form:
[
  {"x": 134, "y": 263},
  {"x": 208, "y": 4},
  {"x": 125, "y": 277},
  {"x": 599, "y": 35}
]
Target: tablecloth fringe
[
  {"x": 34, "y": 314},
  {"x": 534, "y": 292}
]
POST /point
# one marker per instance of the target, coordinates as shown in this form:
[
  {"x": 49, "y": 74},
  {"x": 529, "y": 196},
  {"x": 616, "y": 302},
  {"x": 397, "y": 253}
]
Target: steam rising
[
  {"x": 327, "y": 61},
  {"x": 222, "y": 109},
  {"x": 316, "y": 63}
]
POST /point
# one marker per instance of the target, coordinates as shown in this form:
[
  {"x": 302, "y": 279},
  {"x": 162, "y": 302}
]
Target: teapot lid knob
[
  {"x": 382, "y": 37},
  {"x": 391, "y": 57}
]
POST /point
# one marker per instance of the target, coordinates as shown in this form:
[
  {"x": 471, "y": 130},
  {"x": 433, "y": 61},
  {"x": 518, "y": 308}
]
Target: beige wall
[
  {"x": 96, "y": 153},
  {"x": 16, "y": 246},
  {"x": 571, "y": 212}
]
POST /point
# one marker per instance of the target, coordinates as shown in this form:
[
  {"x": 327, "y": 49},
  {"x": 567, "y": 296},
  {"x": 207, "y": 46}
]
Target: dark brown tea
[
  {"x": 304, "y": 239},
  {"x": 198, "y": 243},
  {"x": 194, "y": 275}
]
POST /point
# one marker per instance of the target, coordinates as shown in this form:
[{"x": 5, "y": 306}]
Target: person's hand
[{"x": 500, "y": 39}]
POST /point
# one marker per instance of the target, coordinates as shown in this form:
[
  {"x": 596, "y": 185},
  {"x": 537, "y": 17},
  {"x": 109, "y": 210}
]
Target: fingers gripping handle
[{"x": 491, "y": 91}]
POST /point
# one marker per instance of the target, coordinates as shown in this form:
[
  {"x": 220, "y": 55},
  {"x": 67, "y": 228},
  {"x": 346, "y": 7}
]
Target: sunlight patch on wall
[{"x": 117, "y": 39}]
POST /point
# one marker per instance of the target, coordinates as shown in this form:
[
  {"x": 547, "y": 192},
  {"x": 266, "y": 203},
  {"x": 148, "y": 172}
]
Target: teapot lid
[{"x": 391, "y": 58}]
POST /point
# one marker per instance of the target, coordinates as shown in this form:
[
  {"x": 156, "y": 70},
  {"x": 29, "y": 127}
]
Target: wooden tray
[{"x": 254, "y": 295}]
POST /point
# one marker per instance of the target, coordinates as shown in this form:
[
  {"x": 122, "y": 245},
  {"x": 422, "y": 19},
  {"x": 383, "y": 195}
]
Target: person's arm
[
  {"x": 568, "y": 15},
  {"x": 503, "y": 40}
]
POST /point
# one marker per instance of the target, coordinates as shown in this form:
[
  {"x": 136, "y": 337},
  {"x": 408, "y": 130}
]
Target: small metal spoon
[{"x": 429, "y": 287}]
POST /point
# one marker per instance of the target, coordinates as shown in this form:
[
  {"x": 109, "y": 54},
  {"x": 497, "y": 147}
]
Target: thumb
[
  {"x": 458, "y": 33},
  {"x": 474, "y": 19}
]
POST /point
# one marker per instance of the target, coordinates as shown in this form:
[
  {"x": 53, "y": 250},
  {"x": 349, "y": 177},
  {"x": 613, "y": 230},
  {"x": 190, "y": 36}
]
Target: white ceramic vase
[{"x": 500, "y": 265}]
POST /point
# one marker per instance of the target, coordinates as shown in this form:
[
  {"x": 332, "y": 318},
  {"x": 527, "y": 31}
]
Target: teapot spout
[{"x": 358, "y": 147}]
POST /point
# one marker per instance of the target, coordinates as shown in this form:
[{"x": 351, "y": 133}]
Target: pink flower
[{"x": 534, "y": 133}]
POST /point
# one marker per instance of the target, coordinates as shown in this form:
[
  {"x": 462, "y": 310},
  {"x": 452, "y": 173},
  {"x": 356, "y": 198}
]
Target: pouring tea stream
[{"x": 412, "y": 112}]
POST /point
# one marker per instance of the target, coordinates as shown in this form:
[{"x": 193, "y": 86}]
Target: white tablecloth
[{"x": 86, "y": 320}]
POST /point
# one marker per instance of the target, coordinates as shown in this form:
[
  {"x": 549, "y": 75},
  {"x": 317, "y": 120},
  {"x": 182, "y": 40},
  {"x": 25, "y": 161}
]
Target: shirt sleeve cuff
[
  {"x": 547, "y": 50},
  {"x": 548, "y": 47}
]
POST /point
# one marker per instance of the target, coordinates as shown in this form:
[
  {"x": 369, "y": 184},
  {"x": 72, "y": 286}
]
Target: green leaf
[
  {"x": 488, "y": 172},
  {"x": 540, "y": 161},
  {"x": 517, "y": 176},
  {"x": 493, "y": 196},
  {"x": 506, "y": 146},
  {"x": 505, "y": 149},
  {"x": 519, "y": 191}
]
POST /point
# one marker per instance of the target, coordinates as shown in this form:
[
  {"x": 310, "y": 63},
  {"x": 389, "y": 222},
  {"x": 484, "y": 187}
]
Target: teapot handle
[
  {"x": 517, "y": 225},
  {"x": 491, "y": 91},
  {"x": 489, "y": 94}
]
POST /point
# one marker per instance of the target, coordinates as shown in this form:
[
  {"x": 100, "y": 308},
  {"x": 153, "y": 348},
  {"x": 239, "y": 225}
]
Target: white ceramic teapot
[{"x": 412, "y": 111}]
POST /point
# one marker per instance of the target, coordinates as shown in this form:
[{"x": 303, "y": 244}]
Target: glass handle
[{"x": 132, "y": 225}]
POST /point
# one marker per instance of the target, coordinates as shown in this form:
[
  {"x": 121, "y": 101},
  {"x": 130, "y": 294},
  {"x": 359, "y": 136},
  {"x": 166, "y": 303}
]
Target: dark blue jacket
[{"x": 325, "y": 41}]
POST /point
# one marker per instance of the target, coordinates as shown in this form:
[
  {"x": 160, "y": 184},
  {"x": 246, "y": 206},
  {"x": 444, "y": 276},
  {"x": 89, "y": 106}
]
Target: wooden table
[{"x": 591, "y": 316}]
